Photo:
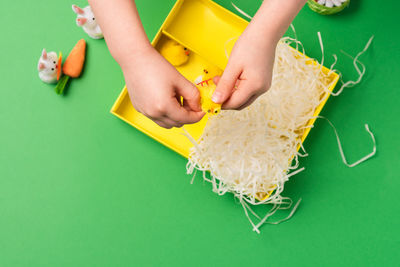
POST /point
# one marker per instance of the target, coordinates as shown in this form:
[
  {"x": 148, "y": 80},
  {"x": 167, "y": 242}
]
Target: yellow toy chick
[
  {"x": 175, "y": 53},
  {"x": 206, "y": 87}
]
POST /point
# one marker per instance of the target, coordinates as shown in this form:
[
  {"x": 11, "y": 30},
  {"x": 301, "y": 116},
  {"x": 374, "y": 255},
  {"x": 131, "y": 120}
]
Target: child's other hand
[
  {"x": 156, "y": 87},
  {"x": 248, "y": 72}
]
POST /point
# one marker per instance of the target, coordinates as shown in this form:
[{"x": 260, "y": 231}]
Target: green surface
[{"x": 79, "y": 187}]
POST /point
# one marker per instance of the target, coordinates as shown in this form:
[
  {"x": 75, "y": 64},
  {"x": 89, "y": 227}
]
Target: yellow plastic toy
[
  {"x": 175, "y": 53},
  {"x": 206, "y": 87}
]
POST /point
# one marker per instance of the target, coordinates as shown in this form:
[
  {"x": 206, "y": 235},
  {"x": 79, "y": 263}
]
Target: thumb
[
  {"x": 190, "y": 94},
  {"x": 216, "y": 79},
  {"x": 225, "y": 85}
]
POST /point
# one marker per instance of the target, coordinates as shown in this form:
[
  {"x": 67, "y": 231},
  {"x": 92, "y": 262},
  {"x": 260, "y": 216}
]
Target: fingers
[
  {"x": 162, "y": 124},
  {"x": 170, "y": 113},
  {"x": 189, "y": 93},
  {"x": 249, "y": 102},
  {"x": 182, "y": 115},
  {"x": 178, "y": 120},
  {"x": 216, "y": 79},
  {"x": 167, "y": 123},
  {"x": 176, "y": 116},
  {"x": 226, "y": 84},
  {"x": 240, "y": 96},
  {"x": 246, "y": 93}
]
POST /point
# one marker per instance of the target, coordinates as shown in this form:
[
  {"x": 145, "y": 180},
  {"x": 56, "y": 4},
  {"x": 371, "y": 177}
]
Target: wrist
[
  {"x": 265, "y": 31},
  {"x": 274, "y": 17},
  {"x": 125, "y": 56},
  {"x": 261, "y": 37}
]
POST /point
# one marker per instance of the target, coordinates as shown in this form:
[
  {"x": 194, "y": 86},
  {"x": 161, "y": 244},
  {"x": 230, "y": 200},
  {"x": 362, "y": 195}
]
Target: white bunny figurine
[
  {"x": 47, "y": 67},
  {"x": 87, "y": 21}
]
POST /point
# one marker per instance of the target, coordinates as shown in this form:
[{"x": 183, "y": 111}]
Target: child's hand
[
  {"x": 155, "y": 88},
  {"x": 248, "y": 72}
]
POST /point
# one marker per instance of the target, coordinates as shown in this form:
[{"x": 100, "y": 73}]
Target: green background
[{"x": 79, "y": 187}]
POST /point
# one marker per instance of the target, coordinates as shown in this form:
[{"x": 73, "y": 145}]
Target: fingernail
[{"x": 216, "y": 98}]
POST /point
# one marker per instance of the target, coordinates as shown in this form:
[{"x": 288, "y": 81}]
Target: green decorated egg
[{"x": 328, "y": 7}]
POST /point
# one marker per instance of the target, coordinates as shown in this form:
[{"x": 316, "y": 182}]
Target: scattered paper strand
[
  {"x": 341, "y": 149},
  {"x": 360, "y": 72},
  {"x": 207, "y": 152}
]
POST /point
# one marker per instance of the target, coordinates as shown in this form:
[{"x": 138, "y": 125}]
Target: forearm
[
  {"x": 274, "y": 17},
  {"x": 122, "y": 28}
]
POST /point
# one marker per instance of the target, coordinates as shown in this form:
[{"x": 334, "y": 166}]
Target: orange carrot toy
[{"x": 73, "y": 65}]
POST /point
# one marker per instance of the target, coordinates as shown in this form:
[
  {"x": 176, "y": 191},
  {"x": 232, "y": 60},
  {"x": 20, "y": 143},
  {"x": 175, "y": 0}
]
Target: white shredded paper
[
  {"x": 250, "y": 152},
  {"x": 253, "y": 152}
]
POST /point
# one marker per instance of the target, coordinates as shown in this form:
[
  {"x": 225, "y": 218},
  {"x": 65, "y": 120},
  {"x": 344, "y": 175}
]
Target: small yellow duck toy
[
  {"x": 206, "y": 87},
  {"x": 175, "y": 53}
]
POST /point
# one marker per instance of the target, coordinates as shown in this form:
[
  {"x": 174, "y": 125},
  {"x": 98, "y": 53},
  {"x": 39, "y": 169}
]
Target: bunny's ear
[
  {"x": 44, "y": 54},
  {"x": 78, "y": 10},
  {"x": 41, "y": 66},
  {"x": 80, "y": 21}
]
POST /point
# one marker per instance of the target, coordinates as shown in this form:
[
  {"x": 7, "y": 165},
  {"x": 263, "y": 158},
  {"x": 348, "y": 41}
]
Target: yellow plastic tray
[{"x": 204, "y": 28}]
